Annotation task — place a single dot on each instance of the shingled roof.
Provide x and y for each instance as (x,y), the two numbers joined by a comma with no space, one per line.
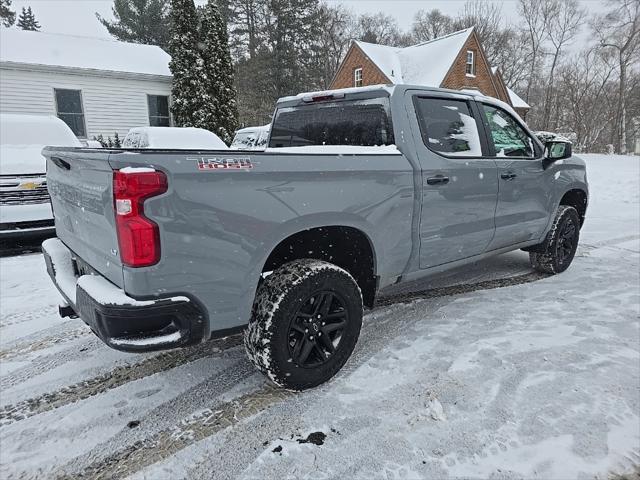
(426,63)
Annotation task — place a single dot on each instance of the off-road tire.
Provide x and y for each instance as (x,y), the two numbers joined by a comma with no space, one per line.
(548,257)
(278,300)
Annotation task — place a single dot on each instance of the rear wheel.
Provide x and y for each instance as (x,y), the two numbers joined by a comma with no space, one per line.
(557,252)
(306,322)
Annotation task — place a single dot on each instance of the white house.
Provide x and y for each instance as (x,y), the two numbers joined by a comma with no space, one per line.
(97,86)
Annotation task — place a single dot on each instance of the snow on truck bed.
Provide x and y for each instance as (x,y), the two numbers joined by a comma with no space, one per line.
(536,379)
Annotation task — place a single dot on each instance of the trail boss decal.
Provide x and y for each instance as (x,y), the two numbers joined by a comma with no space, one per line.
(221,163)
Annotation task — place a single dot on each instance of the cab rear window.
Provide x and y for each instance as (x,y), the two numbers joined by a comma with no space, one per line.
(346,122)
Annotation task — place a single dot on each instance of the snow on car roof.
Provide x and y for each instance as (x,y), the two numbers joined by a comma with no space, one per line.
(40,130)
(61,50)
(22,138)
(426,63)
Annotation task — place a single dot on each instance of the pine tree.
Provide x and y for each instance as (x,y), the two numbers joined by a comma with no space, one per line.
(7,15)
(220,111)
(140,21)
(27,20)
(186,65)
(290,36)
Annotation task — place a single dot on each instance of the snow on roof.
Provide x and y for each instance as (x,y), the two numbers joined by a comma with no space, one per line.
(516,101)
(426,63)
(61,50)
(385,57)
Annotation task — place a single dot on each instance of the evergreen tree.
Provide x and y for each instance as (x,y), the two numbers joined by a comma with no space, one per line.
(220,112)
(27,20)
(186,65)
(140,21)
(291,32)
(7,15)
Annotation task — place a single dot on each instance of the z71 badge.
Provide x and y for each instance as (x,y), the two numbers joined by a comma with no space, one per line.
(220,163)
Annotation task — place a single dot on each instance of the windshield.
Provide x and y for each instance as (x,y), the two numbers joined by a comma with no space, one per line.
(244,140)
(351,122)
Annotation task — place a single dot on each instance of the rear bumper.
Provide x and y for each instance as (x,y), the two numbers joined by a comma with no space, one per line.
(122,322)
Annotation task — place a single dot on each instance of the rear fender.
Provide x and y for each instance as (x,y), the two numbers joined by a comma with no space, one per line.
(287,229)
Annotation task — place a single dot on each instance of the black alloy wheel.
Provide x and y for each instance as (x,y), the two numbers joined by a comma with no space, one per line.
(567,242)
(316,330)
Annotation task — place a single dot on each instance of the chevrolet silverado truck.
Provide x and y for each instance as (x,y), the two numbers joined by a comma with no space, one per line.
(359,189)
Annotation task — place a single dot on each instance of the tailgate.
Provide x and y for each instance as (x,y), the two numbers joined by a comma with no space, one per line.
(80,183)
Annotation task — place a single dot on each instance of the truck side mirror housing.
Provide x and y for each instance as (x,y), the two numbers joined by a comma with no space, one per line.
(557,150)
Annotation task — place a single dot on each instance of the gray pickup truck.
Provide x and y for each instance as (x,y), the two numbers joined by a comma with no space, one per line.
(359,189)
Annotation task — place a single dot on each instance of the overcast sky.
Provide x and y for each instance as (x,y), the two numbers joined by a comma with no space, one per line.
(77,17)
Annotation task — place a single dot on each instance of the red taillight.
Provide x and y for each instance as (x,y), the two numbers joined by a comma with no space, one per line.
(138,237)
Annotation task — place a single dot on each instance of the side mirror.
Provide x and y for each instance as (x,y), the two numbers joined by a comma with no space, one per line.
(557,150)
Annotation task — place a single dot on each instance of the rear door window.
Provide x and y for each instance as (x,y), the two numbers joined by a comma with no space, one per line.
(347,122)
(447,127)
(509,138)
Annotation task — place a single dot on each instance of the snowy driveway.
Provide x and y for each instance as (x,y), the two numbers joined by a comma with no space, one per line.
(492,372)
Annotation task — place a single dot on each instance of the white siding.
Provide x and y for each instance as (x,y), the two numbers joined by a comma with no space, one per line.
(110,104)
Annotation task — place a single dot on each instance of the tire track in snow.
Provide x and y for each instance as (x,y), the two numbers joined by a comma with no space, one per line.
(112,379)
(124,374)
(587,247)
(460,289)
(117,456)
(169,441)
(171,359)
(48,362)
(33,345)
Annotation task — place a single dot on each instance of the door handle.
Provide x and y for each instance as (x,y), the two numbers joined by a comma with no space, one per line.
(61,163)
(438,180)
(508,176)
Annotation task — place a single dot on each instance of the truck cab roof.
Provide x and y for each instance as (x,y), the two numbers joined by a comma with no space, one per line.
(372,91)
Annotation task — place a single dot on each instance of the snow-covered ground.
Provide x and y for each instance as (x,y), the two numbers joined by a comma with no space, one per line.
(536,379)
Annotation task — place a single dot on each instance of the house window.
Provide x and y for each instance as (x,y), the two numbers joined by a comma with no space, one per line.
(471,65)
(158,110)
(357,77)
(69,110)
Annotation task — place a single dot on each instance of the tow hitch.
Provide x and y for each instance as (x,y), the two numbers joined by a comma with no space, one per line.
(66,311)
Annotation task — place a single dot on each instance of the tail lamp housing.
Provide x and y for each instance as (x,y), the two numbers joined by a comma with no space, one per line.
(138,237)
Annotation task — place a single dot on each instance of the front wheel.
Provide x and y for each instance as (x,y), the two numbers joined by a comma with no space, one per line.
(305,324)
(559,248)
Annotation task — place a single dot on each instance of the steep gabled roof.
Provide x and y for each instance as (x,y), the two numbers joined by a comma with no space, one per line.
(87,53)
(516,101)
(426,63)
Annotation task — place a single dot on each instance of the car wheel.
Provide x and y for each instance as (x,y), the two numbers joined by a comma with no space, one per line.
(560,246)
(305,323)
